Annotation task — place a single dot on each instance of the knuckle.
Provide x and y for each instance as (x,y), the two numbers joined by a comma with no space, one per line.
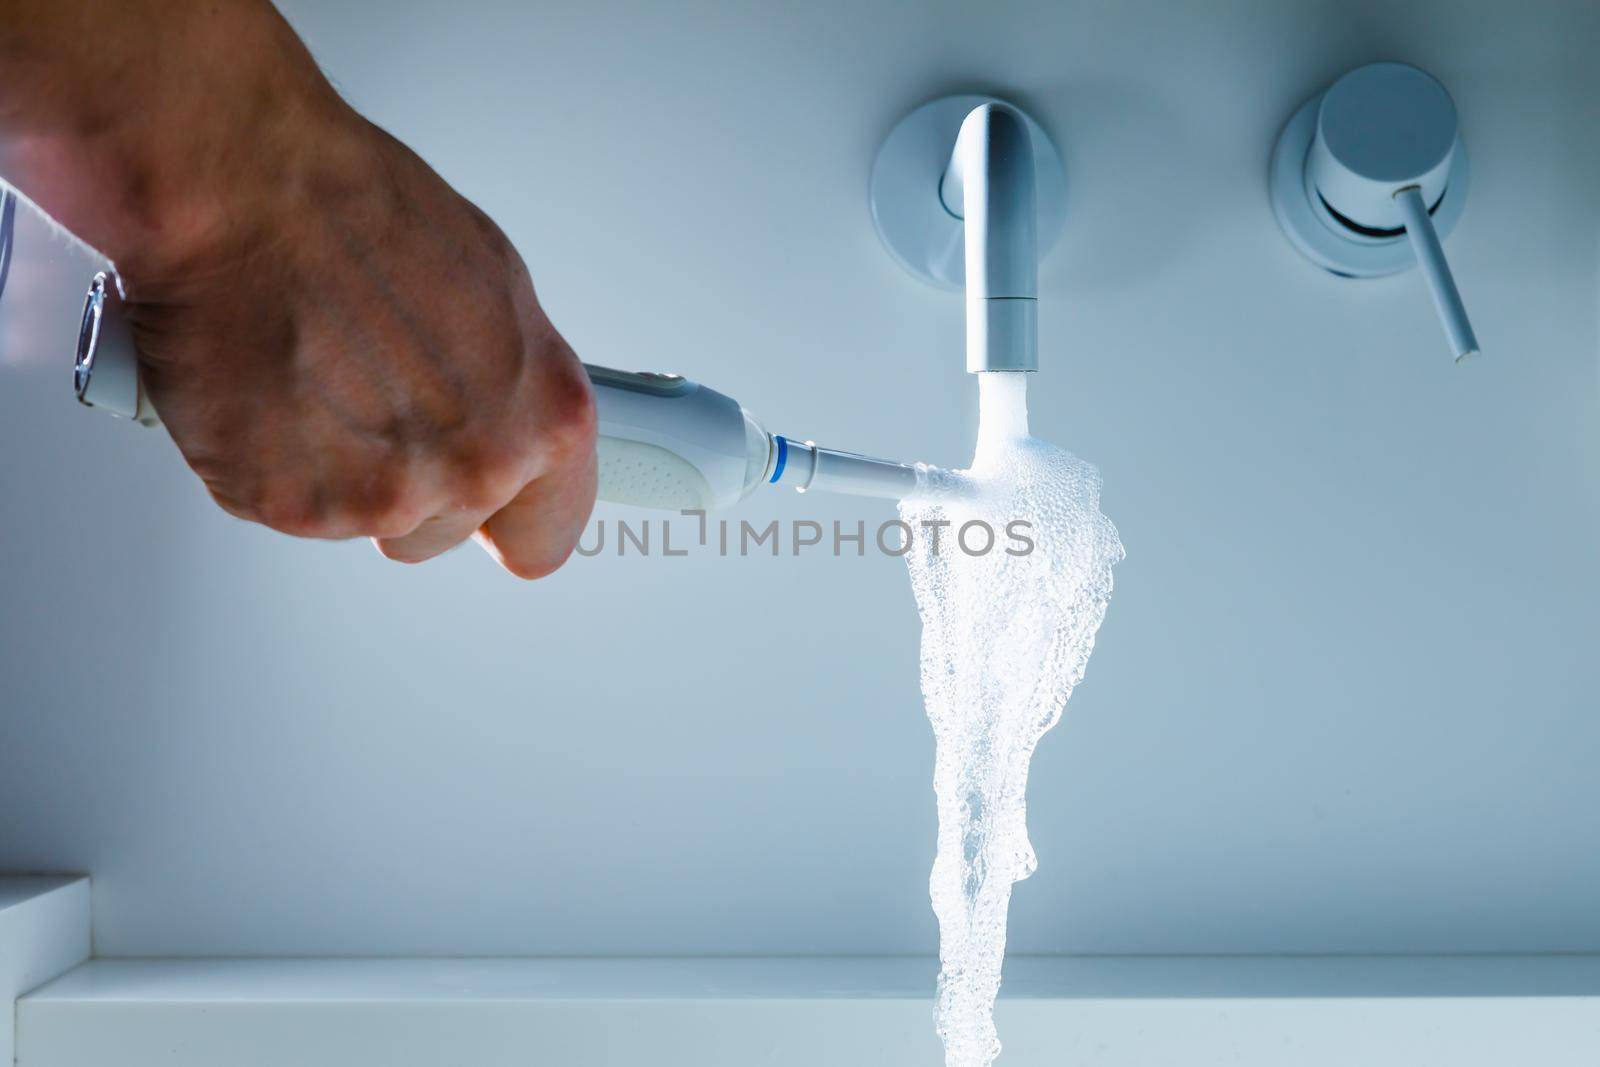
(484,481)
(386,505)
(289,509)
(393,522)
(272,494)
(568,430)
(488,470)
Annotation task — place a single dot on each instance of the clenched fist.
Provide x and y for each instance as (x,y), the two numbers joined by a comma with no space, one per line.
(339,343)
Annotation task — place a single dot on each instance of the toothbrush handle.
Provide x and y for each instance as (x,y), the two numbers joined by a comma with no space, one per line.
(1436,269)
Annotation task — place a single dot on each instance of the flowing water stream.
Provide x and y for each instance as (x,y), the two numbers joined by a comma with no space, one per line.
(1005,638)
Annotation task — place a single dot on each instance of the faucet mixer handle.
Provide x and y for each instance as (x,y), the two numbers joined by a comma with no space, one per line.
(1369,175)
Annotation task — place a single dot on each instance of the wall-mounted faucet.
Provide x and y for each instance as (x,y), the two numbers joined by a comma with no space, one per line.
(967,193)
(1369,175)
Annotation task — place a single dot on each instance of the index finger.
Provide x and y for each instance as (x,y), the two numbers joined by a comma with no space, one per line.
(536,532)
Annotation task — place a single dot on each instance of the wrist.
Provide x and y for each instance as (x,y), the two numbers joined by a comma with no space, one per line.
(173,137)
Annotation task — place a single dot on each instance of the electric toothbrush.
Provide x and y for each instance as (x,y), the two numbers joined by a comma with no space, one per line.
(664,441)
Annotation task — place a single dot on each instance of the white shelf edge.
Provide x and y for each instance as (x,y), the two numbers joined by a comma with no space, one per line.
(44,932)
(1109,1011)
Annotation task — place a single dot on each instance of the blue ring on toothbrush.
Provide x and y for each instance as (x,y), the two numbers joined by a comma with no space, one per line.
(783,457)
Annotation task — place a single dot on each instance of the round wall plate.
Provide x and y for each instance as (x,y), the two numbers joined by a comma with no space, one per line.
(912,220)
(1321,238)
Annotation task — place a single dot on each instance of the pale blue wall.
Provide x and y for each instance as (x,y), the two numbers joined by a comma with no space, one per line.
(1344,700)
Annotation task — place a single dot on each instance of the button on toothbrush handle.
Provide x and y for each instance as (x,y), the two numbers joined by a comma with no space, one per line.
(1436,269)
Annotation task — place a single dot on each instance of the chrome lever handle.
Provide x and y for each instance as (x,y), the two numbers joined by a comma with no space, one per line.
(1436,269)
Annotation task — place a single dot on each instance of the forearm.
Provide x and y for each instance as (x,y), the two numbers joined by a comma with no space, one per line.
(121,119)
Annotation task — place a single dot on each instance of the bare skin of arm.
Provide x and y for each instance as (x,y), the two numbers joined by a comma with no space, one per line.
(339,343)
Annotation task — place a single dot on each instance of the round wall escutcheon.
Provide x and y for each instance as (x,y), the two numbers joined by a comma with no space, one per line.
(907,210)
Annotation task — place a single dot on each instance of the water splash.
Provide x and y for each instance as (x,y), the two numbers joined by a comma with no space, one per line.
(1006,635)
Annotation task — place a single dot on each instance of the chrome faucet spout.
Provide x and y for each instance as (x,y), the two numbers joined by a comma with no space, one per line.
(991,178)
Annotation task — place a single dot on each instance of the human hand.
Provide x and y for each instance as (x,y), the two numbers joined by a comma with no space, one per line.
(339,343)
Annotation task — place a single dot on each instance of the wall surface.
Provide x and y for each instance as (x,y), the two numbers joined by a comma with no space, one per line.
(1345,696)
